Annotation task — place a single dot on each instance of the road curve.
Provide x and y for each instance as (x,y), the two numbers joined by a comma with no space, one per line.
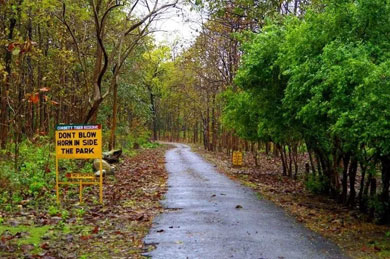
(210,216)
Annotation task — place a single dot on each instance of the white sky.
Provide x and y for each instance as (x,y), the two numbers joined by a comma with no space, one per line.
(177,26)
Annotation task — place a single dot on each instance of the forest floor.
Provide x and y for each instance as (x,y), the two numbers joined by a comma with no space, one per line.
(89,230)
(349,229)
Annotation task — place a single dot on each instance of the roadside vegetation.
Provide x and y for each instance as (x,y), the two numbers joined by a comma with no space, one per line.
(35,226)
(301,87)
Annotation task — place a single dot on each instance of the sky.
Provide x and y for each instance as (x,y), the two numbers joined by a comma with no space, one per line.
(178,25)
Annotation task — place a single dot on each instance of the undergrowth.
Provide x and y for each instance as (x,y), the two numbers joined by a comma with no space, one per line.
(29,177)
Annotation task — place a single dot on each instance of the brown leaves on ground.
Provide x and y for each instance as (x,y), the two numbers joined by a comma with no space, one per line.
(347,228)
(116,229)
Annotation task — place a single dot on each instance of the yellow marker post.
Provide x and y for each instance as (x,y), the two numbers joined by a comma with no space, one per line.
(57,180)
(81,191)
(101,181)
(237,158)
(79,142)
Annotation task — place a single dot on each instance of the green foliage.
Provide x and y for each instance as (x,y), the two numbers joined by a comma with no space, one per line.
(138,137)
(241,114)
(34,233)
(317,184)
(150,145)
(323,80)
(53,210)
(64,214)
(379,207)
(80,212)
(35,175)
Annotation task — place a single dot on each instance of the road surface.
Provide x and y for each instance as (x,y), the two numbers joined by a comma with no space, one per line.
(210,216)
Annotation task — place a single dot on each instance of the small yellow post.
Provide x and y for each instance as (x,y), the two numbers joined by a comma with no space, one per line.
(57,185)
(237,158)
(81,190)
(101,180)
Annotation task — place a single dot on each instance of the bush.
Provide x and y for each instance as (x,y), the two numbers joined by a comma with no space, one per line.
(317,184)
(35,174)
(150,145)
(380,209)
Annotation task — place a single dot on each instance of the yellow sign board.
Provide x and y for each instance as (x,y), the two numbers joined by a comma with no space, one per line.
(237,158)
(79,142)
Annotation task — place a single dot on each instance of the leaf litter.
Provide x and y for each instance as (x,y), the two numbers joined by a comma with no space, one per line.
(90,230)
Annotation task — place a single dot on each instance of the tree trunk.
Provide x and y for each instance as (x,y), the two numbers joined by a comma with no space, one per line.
(384,197)
(372,195)
(344,181)
(213,126)
(352,180)
(5,90)
(284,160)
(295,160)
(289,161)
(154,113)
(313,169)
(114,116)
(363,169)
(267,147)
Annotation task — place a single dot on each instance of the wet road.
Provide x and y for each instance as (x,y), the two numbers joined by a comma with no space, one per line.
(210,216)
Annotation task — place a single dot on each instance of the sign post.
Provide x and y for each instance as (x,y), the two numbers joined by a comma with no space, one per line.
(79,142)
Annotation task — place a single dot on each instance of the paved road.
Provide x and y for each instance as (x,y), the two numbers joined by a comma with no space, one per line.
(202,219)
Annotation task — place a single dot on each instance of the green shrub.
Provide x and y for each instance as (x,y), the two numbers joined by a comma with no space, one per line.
(64,214)
(34,174)
(53,210)
(317,184)
(150,145)
(379,207)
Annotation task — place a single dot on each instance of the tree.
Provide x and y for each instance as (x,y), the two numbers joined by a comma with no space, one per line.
(155,68)
(307,77)
(119,53)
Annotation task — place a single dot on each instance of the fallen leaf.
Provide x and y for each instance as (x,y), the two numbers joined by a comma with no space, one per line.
(34,98)
(11,46)
(45,246)
(95,230)
(85,237)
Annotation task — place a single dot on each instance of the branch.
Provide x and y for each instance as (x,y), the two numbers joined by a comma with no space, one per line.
(63,20)
(155,10)
(105,15)
(132,9)
(121,62)
(101,45)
